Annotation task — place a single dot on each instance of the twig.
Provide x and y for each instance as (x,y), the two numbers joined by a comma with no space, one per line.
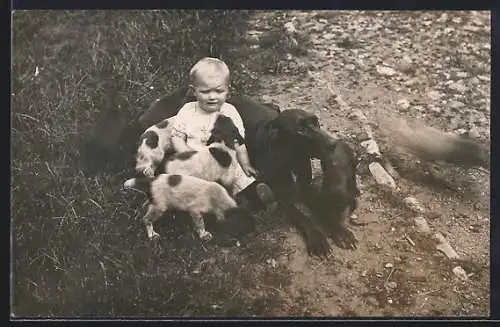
(390,274)
(407,237)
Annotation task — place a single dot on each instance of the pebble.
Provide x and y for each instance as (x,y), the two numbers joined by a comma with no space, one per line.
(422,225)
(443,18)
(474,229)
(386,71)
(389,265)
(290,28)
(474,133)
(471,28)
(392,285)
(413,204)
(350,67)
(456,104)
(403,104)
(483,78)
(460,273)
(434,95)
(458,86)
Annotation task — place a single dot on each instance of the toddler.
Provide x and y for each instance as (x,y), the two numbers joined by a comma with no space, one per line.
(209,81)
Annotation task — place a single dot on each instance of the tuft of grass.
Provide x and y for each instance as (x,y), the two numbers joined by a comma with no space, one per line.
(79,247)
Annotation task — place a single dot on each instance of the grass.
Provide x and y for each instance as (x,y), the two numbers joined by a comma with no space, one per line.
(79,249)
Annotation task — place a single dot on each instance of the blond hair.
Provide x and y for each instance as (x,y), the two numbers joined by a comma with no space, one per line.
(208,62)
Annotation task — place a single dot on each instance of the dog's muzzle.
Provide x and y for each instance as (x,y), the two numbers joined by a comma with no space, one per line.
(320,141)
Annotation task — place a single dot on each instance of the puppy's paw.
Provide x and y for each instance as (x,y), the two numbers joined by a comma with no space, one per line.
(205,235)
(149,172)
(344,238)
(154,236)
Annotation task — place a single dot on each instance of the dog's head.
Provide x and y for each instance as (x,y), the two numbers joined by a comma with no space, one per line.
(339,178)
(224,131)
(300,128)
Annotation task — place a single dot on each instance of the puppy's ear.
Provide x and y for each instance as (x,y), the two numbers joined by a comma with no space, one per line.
(237,136)
(211,139)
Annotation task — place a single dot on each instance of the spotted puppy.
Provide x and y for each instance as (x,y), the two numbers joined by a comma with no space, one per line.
(214,163)
(154,144)
(191,194)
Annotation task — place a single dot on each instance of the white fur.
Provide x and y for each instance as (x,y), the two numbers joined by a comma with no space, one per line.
(203,165)
(192,194)
(148,159)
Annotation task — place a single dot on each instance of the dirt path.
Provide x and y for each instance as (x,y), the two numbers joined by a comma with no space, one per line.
(387,275)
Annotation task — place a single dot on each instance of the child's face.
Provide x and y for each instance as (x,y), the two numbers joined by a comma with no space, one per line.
(210,90)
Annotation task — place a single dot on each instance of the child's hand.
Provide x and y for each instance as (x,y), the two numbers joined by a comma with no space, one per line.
(249,170)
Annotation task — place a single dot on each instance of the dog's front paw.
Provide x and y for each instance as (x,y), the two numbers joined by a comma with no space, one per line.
(344,238)
(205,235)
(317,244)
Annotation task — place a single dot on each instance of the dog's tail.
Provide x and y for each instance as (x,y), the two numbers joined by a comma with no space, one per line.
(430,143)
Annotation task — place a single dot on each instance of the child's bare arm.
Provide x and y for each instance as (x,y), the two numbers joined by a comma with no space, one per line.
(244,160)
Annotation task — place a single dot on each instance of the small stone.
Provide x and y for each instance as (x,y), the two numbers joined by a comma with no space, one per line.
(403,104)
(434,109)
(381,176)
(350,67)
(458,86)
(471,28)
(411,81)
(462,74)
(364,273)
(389,265)
(422,225)
(457,20)
(392,285)
(483,78)
(461,131)
(474,133)
(389,301)
(386,71)
(443,18)
(290,28)
(460,273)
(474,229)
(434,95)
(456,104)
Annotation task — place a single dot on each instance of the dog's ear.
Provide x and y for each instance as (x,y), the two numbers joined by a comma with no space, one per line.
(272,131)
(314,120)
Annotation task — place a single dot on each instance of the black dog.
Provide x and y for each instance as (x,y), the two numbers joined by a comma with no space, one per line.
(280,146)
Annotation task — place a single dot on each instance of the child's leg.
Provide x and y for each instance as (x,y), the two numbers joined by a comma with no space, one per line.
(251,193)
